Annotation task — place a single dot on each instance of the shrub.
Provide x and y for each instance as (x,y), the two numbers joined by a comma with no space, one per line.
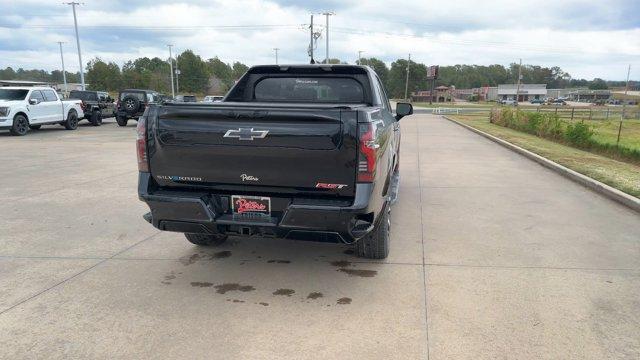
(579,135)
(550,126)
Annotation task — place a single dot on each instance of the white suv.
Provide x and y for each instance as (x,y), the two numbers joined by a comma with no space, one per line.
(24,108)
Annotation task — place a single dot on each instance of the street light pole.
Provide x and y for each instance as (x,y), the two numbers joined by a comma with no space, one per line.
(406,84)
(64,73)
(327,14)
(360,57)
(75,23)
(276,50)
(173,91)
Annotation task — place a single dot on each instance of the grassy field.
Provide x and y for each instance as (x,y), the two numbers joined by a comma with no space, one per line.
(620,175)
(606,131)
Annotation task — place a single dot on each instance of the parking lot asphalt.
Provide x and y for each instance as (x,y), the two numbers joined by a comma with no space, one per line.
(492,256)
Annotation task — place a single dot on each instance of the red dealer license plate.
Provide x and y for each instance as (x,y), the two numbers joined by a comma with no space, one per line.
(251,205)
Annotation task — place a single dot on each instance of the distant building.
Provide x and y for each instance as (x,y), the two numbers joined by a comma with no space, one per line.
(589,95)
(22,83)
(525,93)
(440,94)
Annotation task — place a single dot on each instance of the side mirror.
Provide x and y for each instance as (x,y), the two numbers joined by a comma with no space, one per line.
(33,101)
(403,109)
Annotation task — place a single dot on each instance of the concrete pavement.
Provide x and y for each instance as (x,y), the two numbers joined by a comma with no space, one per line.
(492,256)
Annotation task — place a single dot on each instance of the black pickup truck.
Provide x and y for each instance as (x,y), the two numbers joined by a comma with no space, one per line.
(303,151)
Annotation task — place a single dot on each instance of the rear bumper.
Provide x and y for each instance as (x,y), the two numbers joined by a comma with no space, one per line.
(125,114)
(330,220)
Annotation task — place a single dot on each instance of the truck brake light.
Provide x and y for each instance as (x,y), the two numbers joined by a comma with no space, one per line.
(367,154)
(141,144)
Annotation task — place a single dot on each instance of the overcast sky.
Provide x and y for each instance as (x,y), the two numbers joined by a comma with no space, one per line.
(586,38)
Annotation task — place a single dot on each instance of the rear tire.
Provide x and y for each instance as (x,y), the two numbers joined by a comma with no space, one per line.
(96,118)
(206,239)
(72,121)
(20,125)
(375,245)
(122,121)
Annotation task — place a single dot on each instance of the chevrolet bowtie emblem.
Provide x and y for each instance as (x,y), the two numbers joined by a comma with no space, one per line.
(246,134)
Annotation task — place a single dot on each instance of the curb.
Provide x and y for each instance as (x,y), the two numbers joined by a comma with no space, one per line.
(595,185)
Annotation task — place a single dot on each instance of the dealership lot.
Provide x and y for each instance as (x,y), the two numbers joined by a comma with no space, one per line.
(492,256)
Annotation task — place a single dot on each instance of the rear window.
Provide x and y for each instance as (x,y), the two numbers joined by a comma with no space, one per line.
(49,95)
(309,89)
(83,95)
(13,94)
(137,95)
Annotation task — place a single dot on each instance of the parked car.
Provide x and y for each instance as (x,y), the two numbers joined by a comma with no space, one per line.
(509,102)
(24,108)
(558,102)
(537,101)
(185,98)
(213,98)
(303,151)
(96,105)
(132,103)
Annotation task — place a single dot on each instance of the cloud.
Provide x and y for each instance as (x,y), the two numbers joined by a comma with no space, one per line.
(586,39)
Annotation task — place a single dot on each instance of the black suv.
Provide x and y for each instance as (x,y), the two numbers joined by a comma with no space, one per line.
(133,102)
(96,105)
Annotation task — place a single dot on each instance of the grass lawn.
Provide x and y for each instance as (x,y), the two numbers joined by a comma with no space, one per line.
(620,175)
(607,132)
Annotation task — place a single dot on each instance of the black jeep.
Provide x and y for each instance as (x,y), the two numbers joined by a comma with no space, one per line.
(96,105)
(132,103)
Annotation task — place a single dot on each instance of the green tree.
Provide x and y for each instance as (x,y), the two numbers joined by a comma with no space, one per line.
(193,72)
(397,78)
(103,76)
(238,69)
(222,71)
(598,84)
(378,66)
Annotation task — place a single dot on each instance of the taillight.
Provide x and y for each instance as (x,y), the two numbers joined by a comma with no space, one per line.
(367,155)
(141,144)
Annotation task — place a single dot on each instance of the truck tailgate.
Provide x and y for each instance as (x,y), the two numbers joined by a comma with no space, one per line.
(308,149)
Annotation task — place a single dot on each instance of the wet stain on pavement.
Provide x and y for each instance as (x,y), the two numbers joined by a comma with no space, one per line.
(314,295)
(359,273)
(201,284)
(344,301)
(224,288)
(188,260)
(341,263)
(264,304)
(221,254)
(279,262)
(236,300)
(284,292)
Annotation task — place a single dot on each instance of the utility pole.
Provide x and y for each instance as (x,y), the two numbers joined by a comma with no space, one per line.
(177,76)
(173,92)
(276,50)
(406,84)
(311,41)
(624,104)
(519,77)
(327,14)
(64,74)
(75,23)
(360,57)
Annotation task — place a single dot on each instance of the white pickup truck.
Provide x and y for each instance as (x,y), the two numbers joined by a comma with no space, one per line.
(24,108)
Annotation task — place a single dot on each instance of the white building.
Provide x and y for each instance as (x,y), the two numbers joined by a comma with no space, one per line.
(527,91)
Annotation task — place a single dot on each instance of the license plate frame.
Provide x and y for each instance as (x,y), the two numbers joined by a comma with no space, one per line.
(252,206)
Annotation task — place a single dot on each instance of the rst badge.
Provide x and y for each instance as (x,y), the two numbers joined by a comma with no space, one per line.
(330,186)
(246,134)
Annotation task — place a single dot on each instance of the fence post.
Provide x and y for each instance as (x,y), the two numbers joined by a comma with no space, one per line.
(572,110)
(607,113)
(556,110)
(590,112)
(619,131)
